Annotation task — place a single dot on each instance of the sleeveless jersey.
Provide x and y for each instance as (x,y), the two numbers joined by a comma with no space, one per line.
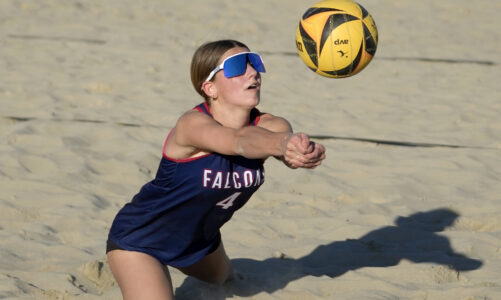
(177,216)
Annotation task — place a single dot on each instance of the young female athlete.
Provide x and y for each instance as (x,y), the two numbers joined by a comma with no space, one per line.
(212,163)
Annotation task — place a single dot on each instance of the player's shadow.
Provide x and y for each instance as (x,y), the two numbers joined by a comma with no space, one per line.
(413,238)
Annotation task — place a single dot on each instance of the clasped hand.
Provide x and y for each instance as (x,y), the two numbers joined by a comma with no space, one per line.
(301,152)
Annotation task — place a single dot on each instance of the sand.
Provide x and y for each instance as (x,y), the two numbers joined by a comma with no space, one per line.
(406,206)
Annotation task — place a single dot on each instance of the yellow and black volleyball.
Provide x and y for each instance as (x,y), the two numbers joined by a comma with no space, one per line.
(336,38)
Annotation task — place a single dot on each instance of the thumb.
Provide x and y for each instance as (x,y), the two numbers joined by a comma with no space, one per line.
(304,143)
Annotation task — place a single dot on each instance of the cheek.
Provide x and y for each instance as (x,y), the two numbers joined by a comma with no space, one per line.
(232,85)
(225,89)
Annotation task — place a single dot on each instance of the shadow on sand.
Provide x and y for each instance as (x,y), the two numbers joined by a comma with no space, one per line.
(413,238)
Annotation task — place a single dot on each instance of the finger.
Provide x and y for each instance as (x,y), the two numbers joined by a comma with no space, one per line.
(319,150)
(310,163)
(310,160)
(296,145)
(300,142)
(311,147)
(316,155)
(303,162)
(305,142)
(306,165)
(292,158)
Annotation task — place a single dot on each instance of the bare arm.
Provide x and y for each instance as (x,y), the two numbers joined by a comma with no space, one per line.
(197,131)
(300,152)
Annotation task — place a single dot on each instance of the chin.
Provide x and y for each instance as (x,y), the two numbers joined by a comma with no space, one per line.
(257,98)
(251,100)
(256,101)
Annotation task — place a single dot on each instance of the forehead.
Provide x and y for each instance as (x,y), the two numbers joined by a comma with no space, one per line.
(231,52)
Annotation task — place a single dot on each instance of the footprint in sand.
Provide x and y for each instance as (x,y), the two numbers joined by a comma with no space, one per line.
(444,274)
(98,273)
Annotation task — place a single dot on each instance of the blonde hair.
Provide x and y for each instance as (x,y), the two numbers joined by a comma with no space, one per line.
(206,58)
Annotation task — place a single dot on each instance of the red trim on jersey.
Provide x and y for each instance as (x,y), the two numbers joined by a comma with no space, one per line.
(201,110)
(182,159)
(165,143)
(207,108)
(258,117)
(256,121)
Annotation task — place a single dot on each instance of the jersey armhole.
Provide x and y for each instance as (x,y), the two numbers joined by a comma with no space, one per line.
(255,116)
(256,121)
(182,159)
(165,143)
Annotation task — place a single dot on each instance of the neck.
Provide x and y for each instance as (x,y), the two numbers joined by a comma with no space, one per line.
(230,116)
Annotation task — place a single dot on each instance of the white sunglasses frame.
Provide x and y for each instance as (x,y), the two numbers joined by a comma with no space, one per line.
(221,65)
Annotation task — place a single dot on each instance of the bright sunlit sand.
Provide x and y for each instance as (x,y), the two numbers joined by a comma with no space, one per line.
(407,204)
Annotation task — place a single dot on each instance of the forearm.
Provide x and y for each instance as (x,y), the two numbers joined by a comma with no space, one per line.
(257,142)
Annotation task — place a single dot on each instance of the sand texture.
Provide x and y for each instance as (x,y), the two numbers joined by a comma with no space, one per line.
(407,204)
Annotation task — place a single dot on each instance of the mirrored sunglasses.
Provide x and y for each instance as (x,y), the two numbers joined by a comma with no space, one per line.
(236,65)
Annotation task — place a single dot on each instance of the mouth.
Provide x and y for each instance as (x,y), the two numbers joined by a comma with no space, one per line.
(254,86)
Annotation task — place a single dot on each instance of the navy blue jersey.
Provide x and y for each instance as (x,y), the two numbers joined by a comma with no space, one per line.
(177,216)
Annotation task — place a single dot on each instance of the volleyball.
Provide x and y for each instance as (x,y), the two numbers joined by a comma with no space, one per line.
(336,38)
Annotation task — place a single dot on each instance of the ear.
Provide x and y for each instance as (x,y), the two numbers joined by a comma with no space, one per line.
(210,89)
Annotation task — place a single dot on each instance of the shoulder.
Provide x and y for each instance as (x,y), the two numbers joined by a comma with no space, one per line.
(190,124)
(193,117)
(274,123)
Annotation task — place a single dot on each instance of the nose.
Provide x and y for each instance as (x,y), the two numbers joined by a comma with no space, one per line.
(250,71)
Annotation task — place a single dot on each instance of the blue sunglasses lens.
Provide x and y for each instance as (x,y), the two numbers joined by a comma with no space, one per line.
(236,65)
(256,62)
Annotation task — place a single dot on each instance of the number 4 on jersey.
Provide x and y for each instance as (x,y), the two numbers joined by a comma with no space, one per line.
(228,202)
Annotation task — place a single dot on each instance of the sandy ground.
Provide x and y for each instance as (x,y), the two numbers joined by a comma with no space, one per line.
(406,206)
